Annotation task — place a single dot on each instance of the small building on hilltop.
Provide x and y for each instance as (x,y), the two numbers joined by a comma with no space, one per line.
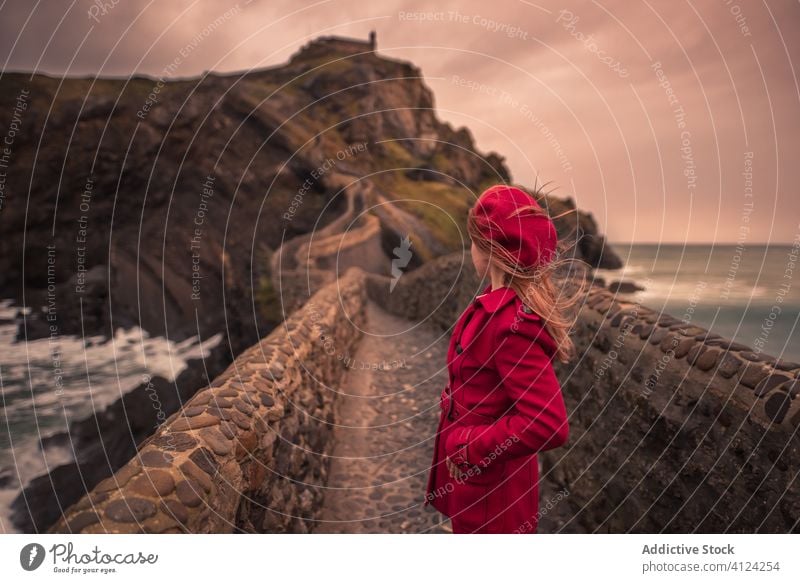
(326,45)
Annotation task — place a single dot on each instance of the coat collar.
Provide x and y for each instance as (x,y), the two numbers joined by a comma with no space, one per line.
(492,300)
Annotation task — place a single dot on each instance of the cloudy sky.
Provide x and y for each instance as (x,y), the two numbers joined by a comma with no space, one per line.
(659,117)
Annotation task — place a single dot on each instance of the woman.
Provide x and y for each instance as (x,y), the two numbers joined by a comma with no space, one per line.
(503,402)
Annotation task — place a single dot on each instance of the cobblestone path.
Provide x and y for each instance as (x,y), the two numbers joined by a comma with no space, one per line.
(387,418)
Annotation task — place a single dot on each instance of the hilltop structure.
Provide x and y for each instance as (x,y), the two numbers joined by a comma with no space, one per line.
(325,46)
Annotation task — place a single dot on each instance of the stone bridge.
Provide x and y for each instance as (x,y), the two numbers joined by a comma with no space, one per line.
(327,424)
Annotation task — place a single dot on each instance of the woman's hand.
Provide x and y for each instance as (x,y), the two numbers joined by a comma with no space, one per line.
(455,471)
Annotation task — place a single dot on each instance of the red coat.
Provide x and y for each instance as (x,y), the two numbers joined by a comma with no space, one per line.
(503,404)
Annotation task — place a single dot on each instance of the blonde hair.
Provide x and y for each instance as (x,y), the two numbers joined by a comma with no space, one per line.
(546,289)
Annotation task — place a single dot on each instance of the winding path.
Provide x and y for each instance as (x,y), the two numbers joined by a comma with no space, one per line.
(387,409)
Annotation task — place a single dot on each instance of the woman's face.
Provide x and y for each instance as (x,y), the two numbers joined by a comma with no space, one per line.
(479,260)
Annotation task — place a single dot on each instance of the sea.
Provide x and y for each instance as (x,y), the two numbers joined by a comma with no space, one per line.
(46,385)
(747,293)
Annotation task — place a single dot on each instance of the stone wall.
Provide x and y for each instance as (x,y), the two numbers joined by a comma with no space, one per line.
(248,453)
(308,262)
(359,246)
(438,291)
(672,428)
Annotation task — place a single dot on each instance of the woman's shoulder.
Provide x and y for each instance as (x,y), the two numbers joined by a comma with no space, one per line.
(506,307)
(519,317)
(518,322)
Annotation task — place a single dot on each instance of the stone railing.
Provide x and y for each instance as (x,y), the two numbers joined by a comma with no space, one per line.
(310,261)
(438,291)
(672,428)
(360,246)
(249,452)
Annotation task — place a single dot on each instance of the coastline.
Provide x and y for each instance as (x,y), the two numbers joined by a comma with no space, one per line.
(73,438)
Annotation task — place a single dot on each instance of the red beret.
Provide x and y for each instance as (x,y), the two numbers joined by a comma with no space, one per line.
(530,238)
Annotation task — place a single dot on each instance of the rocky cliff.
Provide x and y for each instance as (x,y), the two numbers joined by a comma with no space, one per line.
(175,191)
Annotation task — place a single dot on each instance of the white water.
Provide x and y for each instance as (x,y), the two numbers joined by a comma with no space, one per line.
(46,385)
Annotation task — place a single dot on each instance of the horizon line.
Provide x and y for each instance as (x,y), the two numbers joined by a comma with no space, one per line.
(706,243)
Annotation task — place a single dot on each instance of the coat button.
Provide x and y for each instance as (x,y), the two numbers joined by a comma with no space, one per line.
(526,309)
(459,350)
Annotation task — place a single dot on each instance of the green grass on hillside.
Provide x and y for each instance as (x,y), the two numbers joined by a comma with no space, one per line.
(444,209)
